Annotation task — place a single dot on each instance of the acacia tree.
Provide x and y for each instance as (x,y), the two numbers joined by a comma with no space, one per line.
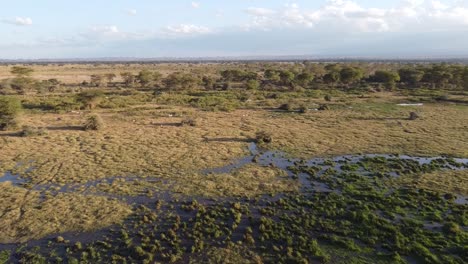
(90,99)
(410,76)
(146,77)
(287,77)
(128,78)
(332,78)
(386,77)
(304,79)
(22,80)
(465,79)
(21,71)
(350,75)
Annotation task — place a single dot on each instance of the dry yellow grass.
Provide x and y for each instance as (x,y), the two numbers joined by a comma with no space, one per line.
(442,181)
(248,181)
(147,143)
(25,215)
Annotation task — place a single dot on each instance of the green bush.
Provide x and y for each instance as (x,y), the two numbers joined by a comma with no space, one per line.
(9,110)
(94,122)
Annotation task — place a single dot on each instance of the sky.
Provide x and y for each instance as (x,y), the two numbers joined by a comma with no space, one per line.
(33,29)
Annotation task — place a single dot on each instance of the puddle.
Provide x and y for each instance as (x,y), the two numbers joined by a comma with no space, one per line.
(410,104)
(14,179)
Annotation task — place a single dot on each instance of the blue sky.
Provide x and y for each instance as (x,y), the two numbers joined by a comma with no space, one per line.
(149,28)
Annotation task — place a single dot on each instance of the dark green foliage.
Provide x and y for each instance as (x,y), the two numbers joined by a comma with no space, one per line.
(4,256)
(10,108)
(328,98)
(181,80)
(410,75)
(350,75)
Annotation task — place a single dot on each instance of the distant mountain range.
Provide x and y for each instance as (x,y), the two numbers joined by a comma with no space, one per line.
(297,58)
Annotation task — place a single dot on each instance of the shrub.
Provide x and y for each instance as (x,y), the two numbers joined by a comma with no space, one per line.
(413,116)
(9,111)
(94,122)
(451,228)
(286,107)
(303,109)
(328,98)
(188,121)
(30,131)
(90,99)
(323,107)
(262,137)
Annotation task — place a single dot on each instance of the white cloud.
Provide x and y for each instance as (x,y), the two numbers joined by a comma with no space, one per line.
(186,29)
(131,12)
(258,11)
(195,4)
(347,15)
(19,21)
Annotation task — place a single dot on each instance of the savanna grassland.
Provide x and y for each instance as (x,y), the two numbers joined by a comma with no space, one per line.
(233,163)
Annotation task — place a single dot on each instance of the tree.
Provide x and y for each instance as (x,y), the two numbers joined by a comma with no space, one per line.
(332,77)
(90,99)
(386,77)
(304,79)
(145,77)
(410,76)
(208,82)
(350,75)
(97,80)
(128,78)
(22,81)
(252,84)
(9,110)
(465,79)
(272,75)
(21,71)
(438,76)
(287,77)
(109,77)
(179,81)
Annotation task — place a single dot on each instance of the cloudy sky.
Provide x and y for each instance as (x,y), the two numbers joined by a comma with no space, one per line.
(178,28)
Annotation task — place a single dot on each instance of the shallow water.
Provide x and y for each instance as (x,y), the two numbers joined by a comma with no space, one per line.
(282,161)
(14,179)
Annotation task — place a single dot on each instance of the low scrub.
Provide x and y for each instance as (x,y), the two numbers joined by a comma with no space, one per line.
(94,122)
(263,137)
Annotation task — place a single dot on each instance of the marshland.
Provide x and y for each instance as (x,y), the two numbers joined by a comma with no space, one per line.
(234,162)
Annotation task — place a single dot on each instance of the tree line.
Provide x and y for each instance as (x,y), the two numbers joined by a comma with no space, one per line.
(294,77)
